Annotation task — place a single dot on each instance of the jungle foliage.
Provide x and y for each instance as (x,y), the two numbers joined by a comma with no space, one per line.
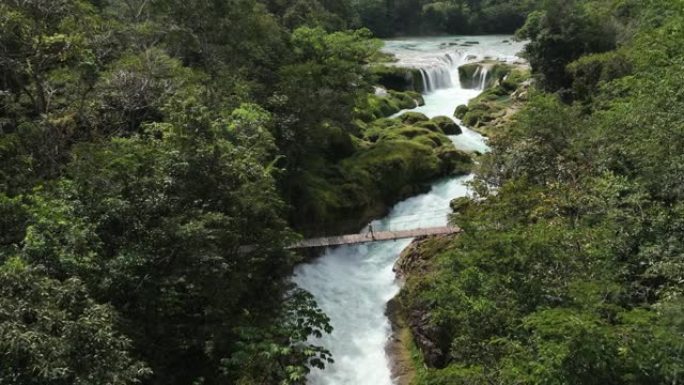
(154,156)
(570,268)
(157,157)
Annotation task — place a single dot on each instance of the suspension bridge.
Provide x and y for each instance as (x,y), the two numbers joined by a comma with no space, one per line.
(392,231)
(373,236)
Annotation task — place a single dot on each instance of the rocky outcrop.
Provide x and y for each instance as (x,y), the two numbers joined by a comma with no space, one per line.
(415,263)
(417,257)
(483,75)
(447,125)
(413,117)
(428,338)
(460,204)
(402,366)
(398,78)
(492,110)
(461,111)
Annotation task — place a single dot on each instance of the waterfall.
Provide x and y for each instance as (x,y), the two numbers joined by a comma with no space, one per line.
(483,78)
(480,78)
(438,75)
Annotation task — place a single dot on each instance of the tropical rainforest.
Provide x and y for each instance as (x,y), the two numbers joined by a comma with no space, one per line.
(570,269)
(157,157)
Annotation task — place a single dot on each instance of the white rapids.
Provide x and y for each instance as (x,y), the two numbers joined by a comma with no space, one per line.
(353,284)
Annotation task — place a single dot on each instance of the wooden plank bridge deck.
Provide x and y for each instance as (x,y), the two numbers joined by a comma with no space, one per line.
(352,239)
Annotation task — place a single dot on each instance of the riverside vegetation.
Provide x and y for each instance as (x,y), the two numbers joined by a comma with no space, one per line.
(142,142)
(570,268)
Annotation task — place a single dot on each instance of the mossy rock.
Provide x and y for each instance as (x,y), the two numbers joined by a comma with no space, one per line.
(478,116)
(430,125)
(498,73)
(387,107)
(515,79)
(433,139)
(460,204)
(391,165)
(469,74)
(377,107)
(397,78)
(412,117)
(466,74)
(461,111)
(455,161)
(447,125)
(407,99)
(411,132)
(386,122)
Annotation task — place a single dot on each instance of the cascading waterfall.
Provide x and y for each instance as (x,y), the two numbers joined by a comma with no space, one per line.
(437,75)
(352,284)
(483,78)
(480,78)
(436,78)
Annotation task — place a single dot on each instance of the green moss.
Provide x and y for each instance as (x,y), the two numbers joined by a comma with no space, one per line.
(454,161)
(515,79)
(460,204)
(447,125)
(376,107)
(407,99)
(392,158)
(413,117)
(430,125)
(492,107)
(496,73)
(466,73)
(397,78)
(461,111)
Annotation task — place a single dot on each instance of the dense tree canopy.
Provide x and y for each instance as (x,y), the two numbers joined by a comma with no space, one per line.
(570,267)
(157,157)
(405,17)
(154,155)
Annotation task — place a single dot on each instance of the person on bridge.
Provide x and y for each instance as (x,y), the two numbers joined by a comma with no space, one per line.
(370,229)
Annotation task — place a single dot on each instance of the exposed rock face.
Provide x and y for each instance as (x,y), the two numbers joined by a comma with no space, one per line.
(398,78)
(427,338)
(402,365)
(414,262)
(467,74)
(410,260)
(380,91)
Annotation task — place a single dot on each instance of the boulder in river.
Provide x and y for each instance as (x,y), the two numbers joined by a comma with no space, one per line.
(447,125)
(413,117)
(461,111)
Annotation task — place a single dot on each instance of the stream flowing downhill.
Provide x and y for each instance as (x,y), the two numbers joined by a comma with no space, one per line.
(353,284)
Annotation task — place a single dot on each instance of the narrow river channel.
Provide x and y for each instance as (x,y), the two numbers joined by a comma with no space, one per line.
(353,284)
